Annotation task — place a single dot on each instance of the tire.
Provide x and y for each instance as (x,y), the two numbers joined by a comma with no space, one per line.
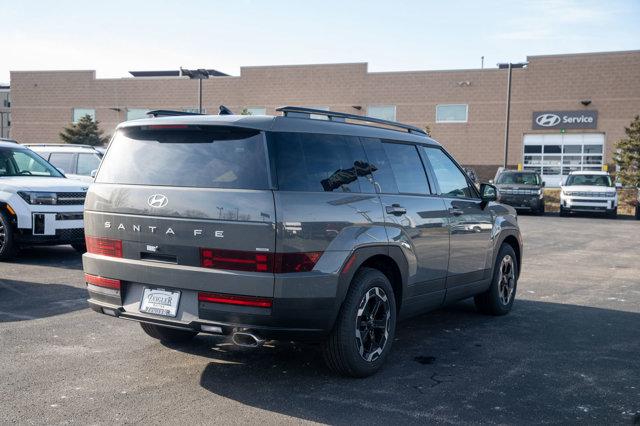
(79,247)
(499,298)
(613,214)
(540,210)
(638,211)
(7,239)
(563,212)
(350,350)
(167,334)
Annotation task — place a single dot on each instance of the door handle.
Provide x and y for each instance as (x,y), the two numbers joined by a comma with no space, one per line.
(455,211)
(396,210)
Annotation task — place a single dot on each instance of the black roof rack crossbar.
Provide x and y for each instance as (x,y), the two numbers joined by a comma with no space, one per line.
(170,113)
(294,111)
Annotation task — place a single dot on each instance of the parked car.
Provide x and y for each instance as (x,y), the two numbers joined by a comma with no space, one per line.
(290,227)
(75,161)
(38,205)
(589,191)
(523,190)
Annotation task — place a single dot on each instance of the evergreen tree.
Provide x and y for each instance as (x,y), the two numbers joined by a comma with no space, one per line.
(628,157)
(84,132)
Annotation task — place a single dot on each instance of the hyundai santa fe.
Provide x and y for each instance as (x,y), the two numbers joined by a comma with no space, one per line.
(291,227)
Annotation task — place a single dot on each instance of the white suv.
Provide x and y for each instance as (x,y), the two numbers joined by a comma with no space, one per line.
(589,192)
(75,161)
(38,205)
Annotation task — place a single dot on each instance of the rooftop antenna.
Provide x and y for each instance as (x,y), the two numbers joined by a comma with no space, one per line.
(482,62)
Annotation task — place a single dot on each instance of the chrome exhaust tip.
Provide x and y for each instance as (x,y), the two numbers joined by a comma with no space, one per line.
(246,339)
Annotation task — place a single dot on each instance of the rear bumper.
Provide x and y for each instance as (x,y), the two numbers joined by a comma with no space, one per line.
(304,305)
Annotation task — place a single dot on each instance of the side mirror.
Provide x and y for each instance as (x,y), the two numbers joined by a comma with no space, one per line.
(488,192)
(491,181)
(618,185)
(543,184)
(94,173)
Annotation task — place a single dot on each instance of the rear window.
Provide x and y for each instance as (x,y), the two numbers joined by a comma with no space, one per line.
(194,156)
(320,163)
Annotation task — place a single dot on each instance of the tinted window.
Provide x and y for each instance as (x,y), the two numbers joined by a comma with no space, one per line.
(22,162)
(533,149)
(382,172)
(62,160)
(87,163)
(451,180)
(407,168)
(198,156)
(312,162)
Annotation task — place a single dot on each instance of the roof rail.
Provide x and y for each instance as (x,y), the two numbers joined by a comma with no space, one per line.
(170,113)
(72,145)
(302,112)
(8,140)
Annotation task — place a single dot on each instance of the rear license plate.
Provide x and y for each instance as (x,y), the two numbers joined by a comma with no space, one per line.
(157,301)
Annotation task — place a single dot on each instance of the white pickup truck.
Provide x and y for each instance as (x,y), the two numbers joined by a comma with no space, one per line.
(38,204)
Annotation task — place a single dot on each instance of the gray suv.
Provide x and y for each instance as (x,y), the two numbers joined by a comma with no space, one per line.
(291,227)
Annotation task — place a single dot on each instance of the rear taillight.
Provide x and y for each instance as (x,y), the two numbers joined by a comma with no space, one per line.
(104,246)
(250,261)
(297,262)
(102,281)
(230,299)
(236,260)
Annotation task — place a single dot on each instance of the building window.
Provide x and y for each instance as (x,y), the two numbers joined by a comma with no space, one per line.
(452,113)
(256,111)
(136,113)
(78,113)
(383,112)
(195,110)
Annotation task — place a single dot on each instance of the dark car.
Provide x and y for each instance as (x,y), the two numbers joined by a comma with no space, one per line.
(293,228)
(522,190)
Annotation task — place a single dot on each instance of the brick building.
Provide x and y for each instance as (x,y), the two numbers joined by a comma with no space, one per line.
(567,111)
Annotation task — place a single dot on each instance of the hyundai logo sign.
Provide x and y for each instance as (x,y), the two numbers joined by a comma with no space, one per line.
(157,200)
(565,120)
(547,120)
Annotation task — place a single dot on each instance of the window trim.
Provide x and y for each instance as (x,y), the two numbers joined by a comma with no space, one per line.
(466,114)
(439,193)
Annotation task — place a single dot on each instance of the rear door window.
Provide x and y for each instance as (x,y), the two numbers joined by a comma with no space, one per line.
(385,182)
(407,168)
(319,163)
(187,156)
(62,160)
(451,179)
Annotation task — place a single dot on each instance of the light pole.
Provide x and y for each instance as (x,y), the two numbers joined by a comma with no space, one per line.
(509,66)
(199,74)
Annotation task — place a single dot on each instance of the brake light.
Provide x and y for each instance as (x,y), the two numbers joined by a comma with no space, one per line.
(229,299)
(104,246)
(236,260)
(250,261)
(167,126)
(102,281)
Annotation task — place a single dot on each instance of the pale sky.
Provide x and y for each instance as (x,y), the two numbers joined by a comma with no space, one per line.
(113,37)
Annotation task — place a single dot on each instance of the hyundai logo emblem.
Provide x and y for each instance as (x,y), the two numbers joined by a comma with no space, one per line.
(547,120)
(157,200)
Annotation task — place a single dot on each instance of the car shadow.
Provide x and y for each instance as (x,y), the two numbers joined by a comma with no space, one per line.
(23,300)
(543,362)
(57,256)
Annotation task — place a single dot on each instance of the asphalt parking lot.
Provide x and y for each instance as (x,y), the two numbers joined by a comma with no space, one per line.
(568,353)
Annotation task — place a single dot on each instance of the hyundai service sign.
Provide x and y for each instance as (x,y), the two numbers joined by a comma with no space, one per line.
(565,120)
